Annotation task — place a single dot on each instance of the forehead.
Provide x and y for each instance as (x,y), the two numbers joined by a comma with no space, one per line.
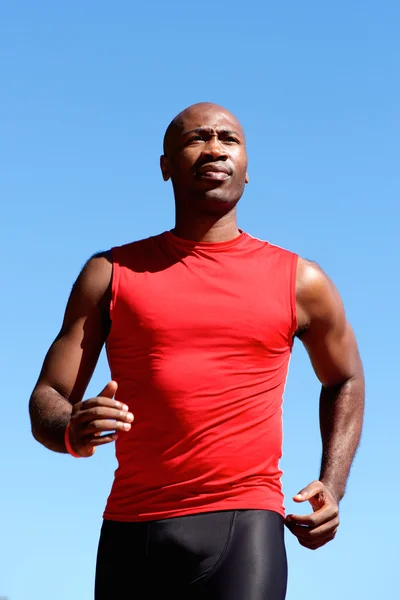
(210,117)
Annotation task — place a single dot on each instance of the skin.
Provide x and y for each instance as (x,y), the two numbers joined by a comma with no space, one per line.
(205,158)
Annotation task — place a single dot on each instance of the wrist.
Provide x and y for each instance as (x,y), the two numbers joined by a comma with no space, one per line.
(336,491)
(68,444)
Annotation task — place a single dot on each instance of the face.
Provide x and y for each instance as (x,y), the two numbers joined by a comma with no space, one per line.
(205,158)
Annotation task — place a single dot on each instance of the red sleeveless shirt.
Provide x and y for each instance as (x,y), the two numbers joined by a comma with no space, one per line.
(200,343)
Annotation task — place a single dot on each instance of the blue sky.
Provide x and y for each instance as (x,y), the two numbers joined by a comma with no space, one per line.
(87,91)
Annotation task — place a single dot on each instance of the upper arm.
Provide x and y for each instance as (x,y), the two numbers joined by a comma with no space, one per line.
(323,327)
(71,359)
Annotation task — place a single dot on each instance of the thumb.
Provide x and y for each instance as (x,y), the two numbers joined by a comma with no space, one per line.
(308,492)
(110,390)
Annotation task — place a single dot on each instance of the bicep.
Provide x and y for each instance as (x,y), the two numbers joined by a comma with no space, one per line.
(328,337)
(72,357)
(334,355)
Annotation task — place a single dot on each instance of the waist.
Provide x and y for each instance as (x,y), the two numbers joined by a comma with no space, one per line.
(158,506)
(157,480)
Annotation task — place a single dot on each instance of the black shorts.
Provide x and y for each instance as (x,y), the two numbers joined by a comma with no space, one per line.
(227,555)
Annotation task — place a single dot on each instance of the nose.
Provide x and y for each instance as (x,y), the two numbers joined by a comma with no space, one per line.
(214,149)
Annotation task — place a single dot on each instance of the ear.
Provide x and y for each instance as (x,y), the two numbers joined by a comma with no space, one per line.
(165,168)
(246,178)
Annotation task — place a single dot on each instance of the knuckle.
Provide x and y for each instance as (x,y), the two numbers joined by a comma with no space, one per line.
(74,431)
(77,416)
(75,412)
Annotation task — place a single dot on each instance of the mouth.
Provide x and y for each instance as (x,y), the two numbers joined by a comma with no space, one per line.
(214,175)
(213,172)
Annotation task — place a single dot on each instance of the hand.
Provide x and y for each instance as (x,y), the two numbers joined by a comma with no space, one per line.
(96,416)
(315,530)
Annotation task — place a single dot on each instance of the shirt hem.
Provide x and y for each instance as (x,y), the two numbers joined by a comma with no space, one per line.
(169,514)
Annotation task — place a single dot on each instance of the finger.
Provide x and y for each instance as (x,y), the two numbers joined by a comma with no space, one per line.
(323,532)
(102,425)
(103,401)
(104,412)
(314,535)
(89,443)
(311,490)
(110,390)
(103,439)
(323,515)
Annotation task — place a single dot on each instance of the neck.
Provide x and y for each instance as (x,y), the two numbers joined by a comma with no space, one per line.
(206,228)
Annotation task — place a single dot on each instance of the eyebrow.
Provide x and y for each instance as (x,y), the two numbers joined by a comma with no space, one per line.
(211,129)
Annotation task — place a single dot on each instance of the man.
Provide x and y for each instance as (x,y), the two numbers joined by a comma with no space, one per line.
(199,324)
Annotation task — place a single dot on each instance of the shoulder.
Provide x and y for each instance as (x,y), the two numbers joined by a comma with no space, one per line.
(94,279)
(135,247)
(311,280)
(98,267)
(269,246)
(317,297)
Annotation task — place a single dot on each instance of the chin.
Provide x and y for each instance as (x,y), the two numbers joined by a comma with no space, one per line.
(218,202)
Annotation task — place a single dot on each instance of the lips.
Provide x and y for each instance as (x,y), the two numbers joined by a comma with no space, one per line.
(218,172)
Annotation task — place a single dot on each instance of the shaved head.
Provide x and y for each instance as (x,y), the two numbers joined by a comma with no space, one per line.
(178,123)
(205,158)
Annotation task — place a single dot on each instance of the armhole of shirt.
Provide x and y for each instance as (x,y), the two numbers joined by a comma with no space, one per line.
(114,282)
(293,303)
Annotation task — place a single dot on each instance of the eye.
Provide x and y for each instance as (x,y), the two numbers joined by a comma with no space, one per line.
(231,139)
(194,138)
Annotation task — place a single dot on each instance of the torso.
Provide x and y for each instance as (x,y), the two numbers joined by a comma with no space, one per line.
(200,341)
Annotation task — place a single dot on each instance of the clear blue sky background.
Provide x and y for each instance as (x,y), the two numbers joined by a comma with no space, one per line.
(87,89)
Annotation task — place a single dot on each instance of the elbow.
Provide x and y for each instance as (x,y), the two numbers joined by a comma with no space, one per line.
(35,433)
(354,379)
(34,416)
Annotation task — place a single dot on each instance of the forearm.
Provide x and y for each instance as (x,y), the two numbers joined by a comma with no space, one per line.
(341,417)
(50,413)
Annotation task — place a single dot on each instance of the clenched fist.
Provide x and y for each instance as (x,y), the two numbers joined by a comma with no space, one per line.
(97,421)
(316,529)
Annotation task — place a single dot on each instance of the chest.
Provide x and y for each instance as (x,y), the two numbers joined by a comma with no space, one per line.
(204,302)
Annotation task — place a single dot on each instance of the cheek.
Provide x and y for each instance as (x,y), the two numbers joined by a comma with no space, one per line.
(184,165)
(241,169)
(190,157)
(240,161)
